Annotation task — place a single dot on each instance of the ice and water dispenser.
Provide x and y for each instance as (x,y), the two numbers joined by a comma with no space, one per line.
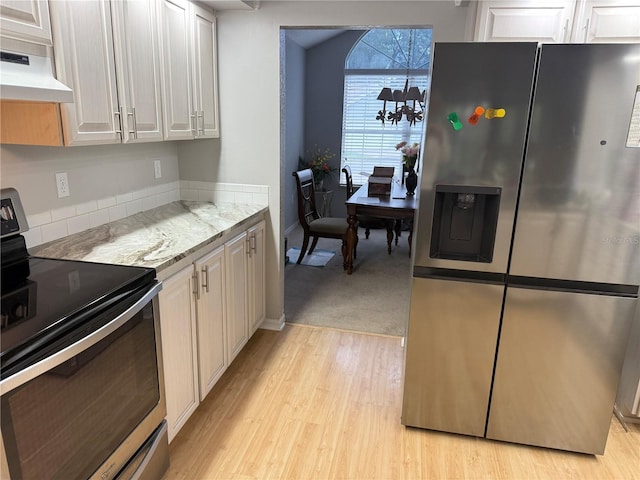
(465,220)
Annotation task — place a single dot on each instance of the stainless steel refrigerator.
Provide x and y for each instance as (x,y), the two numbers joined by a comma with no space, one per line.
(527,242)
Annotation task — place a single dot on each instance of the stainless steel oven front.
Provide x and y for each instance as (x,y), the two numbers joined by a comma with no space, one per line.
(92,405)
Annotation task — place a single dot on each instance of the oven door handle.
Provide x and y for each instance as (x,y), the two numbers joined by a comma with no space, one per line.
(57,358)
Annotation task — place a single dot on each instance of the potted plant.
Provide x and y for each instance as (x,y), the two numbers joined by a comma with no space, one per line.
(318,162)
(409,158)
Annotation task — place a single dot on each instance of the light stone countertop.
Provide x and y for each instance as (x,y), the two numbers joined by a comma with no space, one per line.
(156,238)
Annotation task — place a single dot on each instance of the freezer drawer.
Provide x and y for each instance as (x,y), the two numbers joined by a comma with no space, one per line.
(451,344)
(558,367)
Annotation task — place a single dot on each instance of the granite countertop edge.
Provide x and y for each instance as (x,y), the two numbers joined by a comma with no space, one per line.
(156,238)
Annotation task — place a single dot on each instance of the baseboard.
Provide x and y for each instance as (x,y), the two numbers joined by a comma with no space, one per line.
(291,228)
(273,324)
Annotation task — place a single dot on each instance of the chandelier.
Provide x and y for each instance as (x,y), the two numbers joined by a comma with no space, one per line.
(409,103)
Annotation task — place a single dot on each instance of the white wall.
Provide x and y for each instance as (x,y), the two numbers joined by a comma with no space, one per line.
(250,95)
(106,183)
(199,160)
(94,172)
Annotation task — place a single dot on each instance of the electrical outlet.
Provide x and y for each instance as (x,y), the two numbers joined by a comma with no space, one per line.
(62,182)
(157,168)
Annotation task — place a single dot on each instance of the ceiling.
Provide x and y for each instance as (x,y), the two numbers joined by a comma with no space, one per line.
(310,37)
(305,37)
(231,4)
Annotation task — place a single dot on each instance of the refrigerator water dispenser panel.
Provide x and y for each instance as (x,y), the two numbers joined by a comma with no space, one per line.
(465,220)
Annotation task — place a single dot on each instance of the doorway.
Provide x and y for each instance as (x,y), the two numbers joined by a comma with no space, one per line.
(376,297)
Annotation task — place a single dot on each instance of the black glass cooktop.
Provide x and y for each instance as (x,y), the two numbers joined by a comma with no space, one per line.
(57,291)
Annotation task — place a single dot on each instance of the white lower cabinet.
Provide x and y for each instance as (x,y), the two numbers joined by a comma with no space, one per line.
(208,312)
(179,347)
(212,358)
(256,277)
(235,252)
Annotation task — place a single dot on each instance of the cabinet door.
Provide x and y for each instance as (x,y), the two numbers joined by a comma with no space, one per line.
(205,77)
(179,344)
(256,277)
(211,320)
(179,116)
(236,274)
(608,21)
(85,61)
(524,20)
(138,69)
(26,20)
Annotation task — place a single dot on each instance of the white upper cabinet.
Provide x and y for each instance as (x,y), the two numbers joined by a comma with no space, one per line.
(137,52)
(205,78)
(84,58)
(558,21)
(610,21)
(524,20)
(26,20)
(189,75)
(107,53)
(176,70)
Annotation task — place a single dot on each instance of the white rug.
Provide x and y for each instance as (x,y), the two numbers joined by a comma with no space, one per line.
(319,257)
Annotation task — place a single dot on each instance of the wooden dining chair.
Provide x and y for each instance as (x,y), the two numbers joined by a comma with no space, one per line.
(365,221)
(312,223)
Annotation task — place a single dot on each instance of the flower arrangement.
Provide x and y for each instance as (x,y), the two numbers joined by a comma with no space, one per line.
(318,163)
(409,153)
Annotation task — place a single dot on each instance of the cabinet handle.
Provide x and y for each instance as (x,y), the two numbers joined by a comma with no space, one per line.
(566,30)
(252,242)
(118,114)
(200,115)
(194,118)
(205,274)
(196,284)
(134,121)
(586,31)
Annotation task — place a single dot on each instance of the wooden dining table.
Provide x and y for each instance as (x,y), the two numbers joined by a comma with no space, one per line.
(394,207)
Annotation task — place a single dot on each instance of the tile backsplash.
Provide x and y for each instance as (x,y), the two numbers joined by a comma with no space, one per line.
(54,224)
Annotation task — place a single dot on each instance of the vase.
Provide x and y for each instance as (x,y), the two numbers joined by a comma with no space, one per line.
(411,182)
(319,185)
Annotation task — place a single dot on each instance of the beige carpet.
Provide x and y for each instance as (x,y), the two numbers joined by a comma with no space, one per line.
(375,298)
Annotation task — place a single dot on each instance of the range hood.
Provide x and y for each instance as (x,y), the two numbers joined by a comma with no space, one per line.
(30,77)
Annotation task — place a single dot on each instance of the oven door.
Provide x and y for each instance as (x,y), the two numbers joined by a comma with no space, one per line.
(85,410)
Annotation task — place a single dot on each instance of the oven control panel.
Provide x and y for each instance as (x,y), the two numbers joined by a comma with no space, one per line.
(12,217)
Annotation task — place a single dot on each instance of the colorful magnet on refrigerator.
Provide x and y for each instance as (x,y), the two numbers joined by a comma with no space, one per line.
(477,113)
(455,121)
(494,113)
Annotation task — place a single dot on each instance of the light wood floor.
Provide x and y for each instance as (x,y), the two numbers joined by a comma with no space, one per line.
(316,403)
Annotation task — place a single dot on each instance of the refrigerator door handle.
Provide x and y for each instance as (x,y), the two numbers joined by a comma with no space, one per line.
(459,275)
(573,286)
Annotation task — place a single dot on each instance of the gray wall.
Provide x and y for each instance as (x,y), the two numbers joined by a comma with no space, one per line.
(293,123)
(324,97)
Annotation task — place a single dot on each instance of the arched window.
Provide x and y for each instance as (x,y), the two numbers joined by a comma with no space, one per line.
(382,57)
